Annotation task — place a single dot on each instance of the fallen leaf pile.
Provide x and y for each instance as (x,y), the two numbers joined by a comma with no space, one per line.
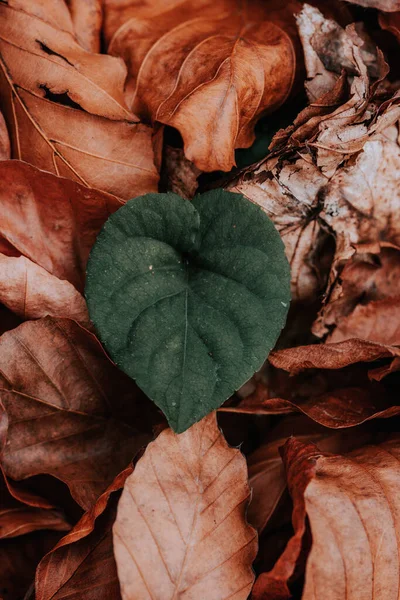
(291,489)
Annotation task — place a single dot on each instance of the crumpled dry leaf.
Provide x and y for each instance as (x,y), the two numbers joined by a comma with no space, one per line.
(87,18)
(83,560)
(31,292)
(371,274)
(65,107)
(354,554)
(221,67)
(71,413)
(180,529)
(343,181)
(51,221)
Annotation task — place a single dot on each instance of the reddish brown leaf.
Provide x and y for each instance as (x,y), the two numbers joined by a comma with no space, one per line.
(65,107)
(221,67)
(181,529)
(5,150)
(336,409)
(330,356)
(391,22)
(266,471)
(82,563)
(18,560)
(50,220)
(354,554)
(71,413)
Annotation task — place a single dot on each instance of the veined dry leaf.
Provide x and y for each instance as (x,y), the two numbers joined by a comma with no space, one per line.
(71,413)
(222,65)
(352,505)
(65,107)
(181,530)
(87,18)
(31,292)
(83,561)
(51,221)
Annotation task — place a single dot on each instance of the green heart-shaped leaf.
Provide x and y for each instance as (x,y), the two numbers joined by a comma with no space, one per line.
(188,297)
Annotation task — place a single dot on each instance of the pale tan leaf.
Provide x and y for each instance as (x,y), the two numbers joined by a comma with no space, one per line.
(181,530)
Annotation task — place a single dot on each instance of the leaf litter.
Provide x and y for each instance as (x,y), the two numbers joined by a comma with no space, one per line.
(103,101)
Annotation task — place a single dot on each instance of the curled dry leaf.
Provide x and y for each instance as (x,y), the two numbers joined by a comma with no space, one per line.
(391,22)
(51,221)
(71,413)
(330,356)
(266,471)
(181,530)
(338,408)
(352,505)
(83,561)
(65,107)
(179,174)
(221,65)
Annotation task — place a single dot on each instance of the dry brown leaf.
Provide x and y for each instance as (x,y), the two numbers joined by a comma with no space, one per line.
(179,174)
(371,274)
(5,149)
(222,65)
(87,18)
(391,22)
(65,107)
(377,321)
(266,471)
(330,356)
(83,561)
(354,554)
(51,221)
(71,413)
(181,530)
(338,408)
(31,292)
